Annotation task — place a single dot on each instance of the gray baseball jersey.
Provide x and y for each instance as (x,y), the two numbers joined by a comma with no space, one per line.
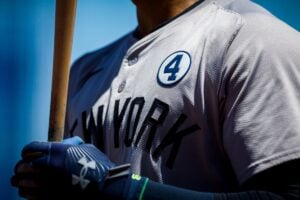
(204,102)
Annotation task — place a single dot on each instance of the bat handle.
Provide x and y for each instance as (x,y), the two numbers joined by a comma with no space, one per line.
(64,28)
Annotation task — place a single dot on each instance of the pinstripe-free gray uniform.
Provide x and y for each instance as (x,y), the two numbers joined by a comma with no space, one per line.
(203,102)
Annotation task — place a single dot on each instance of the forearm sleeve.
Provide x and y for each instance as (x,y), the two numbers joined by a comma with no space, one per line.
(278,183)
(161,192)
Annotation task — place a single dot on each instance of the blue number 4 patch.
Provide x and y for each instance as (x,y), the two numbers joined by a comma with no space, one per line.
(174,68)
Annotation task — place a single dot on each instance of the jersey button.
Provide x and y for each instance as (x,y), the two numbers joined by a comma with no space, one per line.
(132,61)
(121,86)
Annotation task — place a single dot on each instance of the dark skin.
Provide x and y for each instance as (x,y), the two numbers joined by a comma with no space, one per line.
(148,20)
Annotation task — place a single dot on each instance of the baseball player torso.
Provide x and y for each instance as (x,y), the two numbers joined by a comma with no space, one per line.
(156,102)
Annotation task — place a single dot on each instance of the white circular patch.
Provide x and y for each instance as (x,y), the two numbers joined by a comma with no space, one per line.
(174,68)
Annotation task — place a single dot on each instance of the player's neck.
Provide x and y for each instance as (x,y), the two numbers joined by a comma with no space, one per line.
(152,13)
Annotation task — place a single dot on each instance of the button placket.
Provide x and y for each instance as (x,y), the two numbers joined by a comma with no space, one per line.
(129,60)
(133,60)
(122,86)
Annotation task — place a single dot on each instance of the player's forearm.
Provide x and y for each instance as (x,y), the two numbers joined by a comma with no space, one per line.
(281,182)
(150,190)
(162,192)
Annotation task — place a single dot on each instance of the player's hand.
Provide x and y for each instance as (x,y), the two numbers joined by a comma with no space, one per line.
(51,170)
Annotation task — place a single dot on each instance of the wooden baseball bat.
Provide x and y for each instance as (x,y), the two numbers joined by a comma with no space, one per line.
(64,28)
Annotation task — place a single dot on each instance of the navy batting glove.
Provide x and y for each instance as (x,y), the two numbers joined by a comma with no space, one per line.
(84,163)
(73,170)
(70,169)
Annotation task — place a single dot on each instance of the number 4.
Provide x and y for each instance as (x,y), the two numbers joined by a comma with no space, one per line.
(173,67)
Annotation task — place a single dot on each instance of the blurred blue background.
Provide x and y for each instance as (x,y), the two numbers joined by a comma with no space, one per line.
(26,50)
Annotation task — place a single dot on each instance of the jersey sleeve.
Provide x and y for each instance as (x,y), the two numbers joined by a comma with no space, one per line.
(261,90)
(76,71)
(71,88)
